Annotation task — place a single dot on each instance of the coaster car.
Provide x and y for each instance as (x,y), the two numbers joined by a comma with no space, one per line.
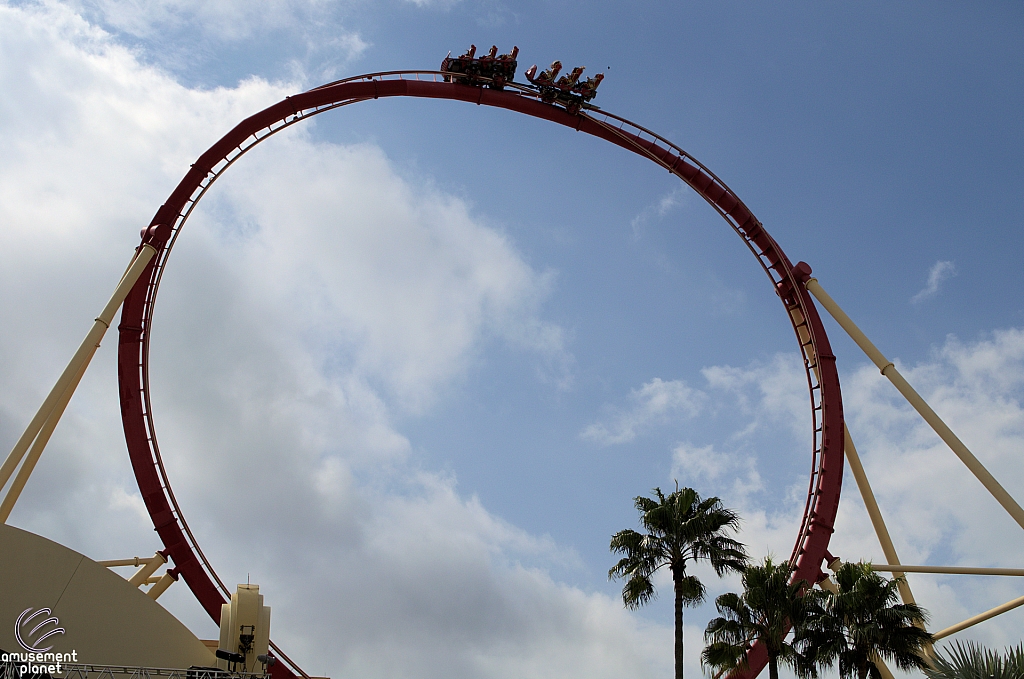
(566,90)
(491,70)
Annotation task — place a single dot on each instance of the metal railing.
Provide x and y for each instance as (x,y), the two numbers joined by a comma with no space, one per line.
(35,670)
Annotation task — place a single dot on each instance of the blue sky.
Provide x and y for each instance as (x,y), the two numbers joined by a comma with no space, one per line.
(438,349)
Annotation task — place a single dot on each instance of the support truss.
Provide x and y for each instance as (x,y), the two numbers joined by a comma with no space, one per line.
(888,369)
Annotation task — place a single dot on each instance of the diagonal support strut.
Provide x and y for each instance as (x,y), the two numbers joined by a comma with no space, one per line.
(945,433)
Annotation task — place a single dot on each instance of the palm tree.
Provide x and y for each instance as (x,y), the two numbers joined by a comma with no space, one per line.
(862,621)
(973,661)
(679,528)
(770,605)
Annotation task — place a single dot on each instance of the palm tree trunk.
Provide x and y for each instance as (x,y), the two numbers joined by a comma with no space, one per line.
(679,629)
(773,667)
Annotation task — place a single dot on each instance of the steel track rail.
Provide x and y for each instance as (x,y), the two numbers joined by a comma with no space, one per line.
(787,280)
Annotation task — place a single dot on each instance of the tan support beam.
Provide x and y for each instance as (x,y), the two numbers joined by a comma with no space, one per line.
(888,549)
(952,570)
(143,573)
(883,669)
(981,617)
(134,561)
(161,586)
(901,384)
(45,420)
(14,492)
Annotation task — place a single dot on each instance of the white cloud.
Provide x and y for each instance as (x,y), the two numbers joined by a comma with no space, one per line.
(655,402)
(395,283)
(229,20)
(767,394)
(708,465)
(434,586)
(659,209)
(937,275)
(936,511)
(977,389)
(309,39)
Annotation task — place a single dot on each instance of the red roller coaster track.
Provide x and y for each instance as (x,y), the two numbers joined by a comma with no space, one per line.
(137,313)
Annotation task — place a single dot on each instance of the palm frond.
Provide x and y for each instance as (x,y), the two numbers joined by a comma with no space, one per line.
(692,590)
(861,622)
(973,661)
(723,658)
(638,591)
(763,613)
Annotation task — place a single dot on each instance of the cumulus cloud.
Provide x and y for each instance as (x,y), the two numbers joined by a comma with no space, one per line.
(228,20)
(448,601)
(309,39)
(659,209)
(315,298)
(939,273)
(764,395)
(936,511)
(394,283)
(705,464)
(654,402)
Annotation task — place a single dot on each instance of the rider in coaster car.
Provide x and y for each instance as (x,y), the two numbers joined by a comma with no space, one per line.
(589,86)
(568,81)
(549,75)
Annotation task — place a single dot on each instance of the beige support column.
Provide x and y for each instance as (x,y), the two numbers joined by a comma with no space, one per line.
(161,586)
(114,563)
(981,617)
(14,492)
(147,570)
(888,549)
(951,570)
(43,423)
(936,423)
(883,669)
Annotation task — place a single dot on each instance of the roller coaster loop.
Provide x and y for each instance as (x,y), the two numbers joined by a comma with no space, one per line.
(787,280)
